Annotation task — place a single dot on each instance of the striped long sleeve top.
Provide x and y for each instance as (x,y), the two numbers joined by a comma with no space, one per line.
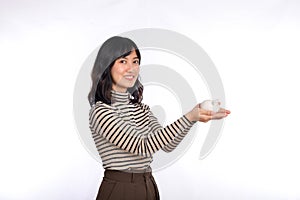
(126,135)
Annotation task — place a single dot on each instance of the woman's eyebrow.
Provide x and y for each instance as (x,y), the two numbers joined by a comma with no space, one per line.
(126,57)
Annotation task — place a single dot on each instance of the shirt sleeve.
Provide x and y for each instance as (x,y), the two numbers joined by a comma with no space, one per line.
(105,120)
(181,127)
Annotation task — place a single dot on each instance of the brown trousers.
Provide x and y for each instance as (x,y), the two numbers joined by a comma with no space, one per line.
(118,185)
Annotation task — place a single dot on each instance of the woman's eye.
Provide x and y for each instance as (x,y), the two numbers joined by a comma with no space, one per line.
(123,61)
(136,62)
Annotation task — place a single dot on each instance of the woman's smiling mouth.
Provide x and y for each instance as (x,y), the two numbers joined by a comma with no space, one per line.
(129,77)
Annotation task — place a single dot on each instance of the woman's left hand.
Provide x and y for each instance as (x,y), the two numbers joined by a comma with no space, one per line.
(202,115)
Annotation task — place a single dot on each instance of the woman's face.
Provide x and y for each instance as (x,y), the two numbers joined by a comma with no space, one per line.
(125,71)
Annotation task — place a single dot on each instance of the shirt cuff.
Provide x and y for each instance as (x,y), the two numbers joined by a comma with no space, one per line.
(186,120)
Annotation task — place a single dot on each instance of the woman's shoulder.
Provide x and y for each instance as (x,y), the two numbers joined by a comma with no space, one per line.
(100,104)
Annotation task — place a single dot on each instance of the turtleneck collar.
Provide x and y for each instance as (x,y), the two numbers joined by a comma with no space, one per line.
(120,97)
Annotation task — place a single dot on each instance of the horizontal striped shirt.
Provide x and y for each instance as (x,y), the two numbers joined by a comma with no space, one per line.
(127,135)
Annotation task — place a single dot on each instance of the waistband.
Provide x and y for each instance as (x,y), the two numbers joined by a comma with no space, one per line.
(123,176)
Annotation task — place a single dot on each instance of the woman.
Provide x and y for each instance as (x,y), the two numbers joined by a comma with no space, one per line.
(125,131)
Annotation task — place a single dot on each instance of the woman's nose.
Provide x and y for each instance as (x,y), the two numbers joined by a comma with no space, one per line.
(131,67)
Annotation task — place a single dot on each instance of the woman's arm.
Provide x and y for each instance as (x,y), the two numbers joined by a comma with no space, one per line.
(105,120)
(186,123)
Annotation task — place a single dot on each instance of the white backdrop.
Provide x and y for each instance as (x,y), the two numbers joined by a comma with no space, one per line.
(254,45)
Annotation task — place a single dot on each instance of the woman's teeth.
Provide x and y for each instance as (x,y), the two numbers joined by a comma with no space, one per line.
(129,77)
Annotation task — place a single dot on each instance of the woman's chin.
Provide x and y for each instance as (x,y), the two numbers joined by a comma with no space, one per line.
(130,84)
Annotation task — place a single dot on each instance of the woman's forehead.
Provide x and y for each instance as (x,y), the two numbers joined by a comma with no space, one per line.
(131,55)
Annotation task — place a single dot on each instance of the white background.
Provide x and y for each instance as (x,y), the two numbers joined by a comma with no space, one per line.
(255,46)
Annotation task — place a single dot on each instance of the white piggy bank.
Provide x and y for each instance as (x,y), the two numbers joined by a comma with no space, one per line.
(213,105)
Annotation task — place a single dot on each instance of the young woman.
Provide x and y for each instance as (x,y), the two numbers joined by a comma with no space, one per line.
(125,131)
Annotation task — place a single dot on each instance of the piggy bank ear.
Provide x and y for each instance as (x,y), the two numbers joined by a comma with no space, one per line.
(216,105)
(216,102)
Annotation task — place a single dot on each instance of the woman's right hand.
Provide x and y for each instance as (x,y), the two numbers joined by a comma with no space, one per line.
(202,115)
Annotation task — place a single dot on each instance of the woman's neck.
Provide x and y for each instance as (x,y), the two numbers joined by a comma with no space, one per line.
(120,97)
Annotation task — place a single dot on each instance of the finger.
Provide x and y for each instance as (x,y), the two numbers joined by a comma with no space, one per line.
(219,115)
(206,112)
(222,110)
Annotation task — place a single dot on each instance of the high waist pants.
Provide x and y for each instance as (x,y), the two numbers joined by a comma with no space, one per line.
(118,185)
